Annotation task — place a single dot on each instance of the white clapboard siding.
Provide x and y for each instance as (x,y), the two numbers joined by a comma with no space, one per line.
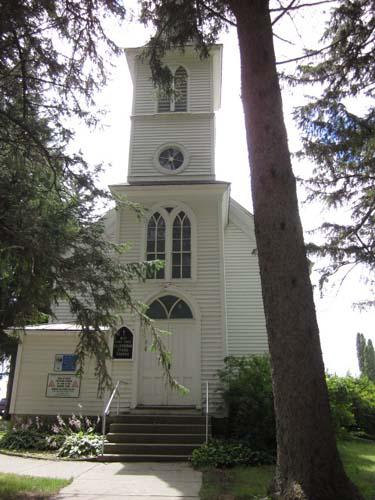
(246,330)
(37,356)
(36,360)
(194,132)
(199,84)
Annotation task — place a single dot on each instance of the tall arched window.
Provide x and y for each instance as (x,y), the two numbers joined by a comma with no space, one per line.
(181,247)
(156,242)
(180,88)
(177,101)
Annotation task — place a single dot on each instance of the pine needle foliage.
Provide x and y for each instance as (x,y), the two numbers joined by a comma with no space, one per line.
(341,141)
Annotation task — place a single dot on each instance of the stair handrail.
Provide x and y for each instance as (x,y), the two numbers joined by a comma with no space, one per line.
(206,411)
(108,407)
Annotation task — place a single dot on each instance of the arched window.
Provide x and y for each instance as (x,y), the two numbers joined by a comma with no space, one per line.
(156,242)
(177,100)
(123,344)
(181,247)
(169,307)
(180,88)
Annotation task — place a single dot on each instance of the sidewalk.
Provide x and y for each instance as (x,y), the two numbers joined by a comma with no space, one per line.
(112,481)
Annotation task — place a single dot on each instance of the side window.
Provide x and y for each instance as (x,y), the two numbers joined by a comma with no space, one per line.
(156,242)
(181,247)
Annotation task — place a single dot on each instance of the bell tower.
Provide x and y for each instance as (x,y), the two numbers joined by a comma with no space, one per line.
(173,138)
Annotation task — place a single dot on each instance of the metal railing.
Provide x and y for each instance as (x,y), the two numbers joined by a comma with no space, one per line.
(206,411)
(107,408)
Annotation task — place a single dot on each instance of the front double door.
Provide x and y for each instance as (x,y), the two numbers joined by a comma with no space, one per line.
(183,345)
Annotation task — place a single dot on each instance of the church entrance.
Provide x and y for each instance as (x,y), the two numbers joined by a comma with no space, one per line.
(173,315)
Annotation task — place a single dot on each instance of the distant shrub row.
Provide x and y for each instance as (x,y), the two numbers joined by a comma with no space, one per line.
(247,393)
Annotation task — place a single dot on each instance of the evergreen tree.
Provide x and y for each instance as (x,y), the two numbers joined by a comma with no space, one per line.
(308,464)
(52,59)
(361,349)
(341,140)
(370,361)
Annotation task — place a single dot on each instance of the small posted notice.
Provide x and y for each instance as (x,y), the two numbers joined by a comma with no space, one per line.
(62,386)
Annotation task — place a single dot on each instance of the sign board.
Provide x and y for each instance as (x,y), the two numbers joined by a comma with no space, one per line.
(65,363)
(123,344)
(63,386)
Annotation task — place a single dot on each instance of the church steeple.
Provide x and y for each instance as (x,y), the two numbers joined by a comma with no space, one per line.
(172,137)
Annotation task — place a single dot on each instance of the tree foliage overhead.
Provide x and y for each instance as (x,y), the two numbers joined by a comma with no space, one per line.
(53,57)
(340,138)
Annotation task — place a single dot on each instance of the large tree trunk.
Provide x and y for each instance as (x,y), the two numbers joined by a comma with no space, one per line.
(308,464)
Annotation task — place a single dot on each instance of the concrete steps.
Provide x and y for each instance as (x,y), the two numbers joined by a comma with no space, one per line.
(147,435)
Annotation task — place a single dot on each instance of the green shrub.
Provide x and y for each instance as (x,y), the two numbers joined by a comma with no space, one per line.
(247,393)
(341,405)
(37,434)
(24,440)
(81,445)
(228,454)
(352,403)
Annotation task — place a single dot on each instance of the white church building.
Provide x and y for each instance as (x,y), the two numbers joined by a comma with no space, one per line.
(208,294)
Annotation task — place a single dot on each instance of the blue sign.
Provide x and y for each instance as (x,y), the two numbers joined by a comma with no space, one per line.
(65,363)
(69,363)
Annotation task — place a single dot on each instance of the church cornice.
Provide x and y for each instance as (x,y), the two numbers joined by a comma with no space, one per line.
(174,115)
(218,187)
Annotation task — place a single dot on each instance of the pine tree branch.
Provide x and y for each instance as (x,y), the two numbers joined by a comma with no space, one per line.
(303,5)
(23,73)
(310,53)
(217,14)
(284,11)
(283,39)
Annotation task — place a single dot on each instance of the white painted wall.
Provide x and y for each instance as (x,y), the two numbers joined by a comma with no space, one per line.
(246,329)
(35,361)
(194,129)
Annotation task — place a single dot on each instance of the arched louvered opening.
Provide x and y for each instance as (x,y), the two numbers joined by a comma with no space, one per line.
(156,242)
(180,88)
(181,246)
(164,102)
(169,307)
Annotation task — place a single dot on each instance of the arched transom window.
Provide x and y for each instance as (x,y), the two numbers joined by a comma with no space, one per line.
(169,307)
(177,101)
(169,238)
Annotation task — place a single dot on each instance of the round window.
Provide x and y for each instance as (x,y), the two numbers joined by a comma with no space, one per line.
(171,158)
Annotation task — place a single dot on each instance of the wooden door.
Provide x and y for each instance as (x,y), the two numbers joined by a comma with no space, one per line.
(182,343)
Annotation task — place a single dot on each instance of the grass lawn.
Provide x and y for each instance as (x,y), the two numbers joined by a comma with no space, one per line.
(251,483)
(14,487)
(358,457)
